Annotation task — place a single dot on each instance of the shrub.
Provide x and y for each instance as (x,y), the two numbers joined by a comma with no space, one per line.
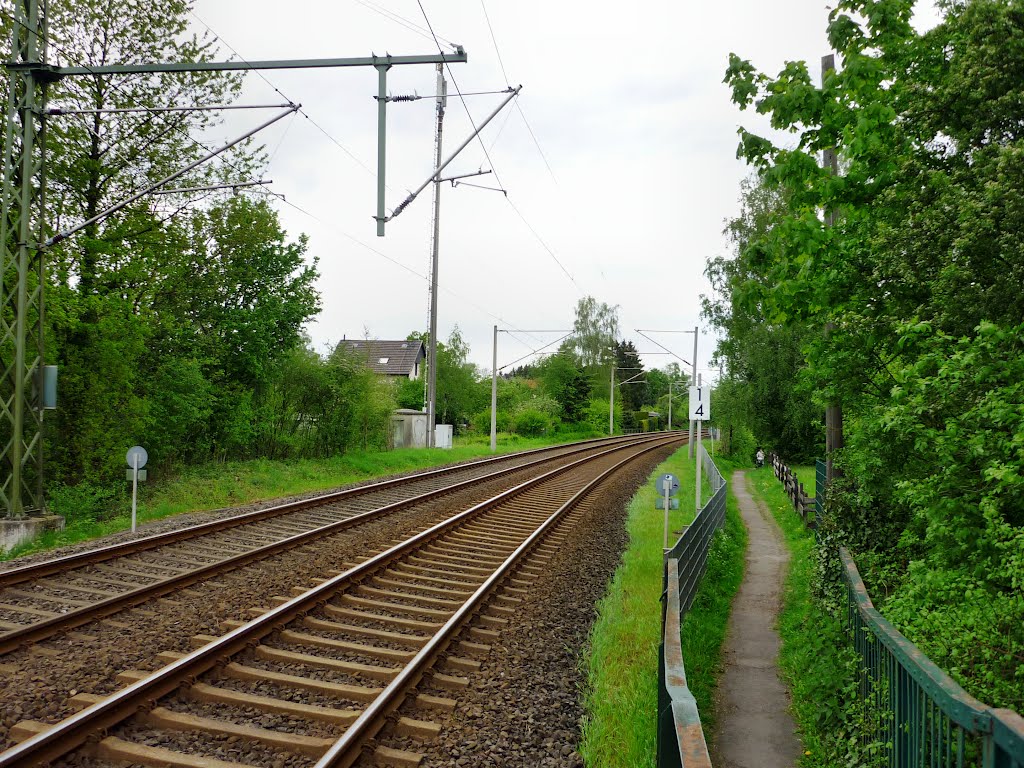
(532,423)
(86,502)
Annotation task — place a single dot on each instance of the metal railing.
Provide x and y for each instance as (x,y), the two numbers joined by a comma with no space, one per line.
(820,478)
(680,736)
(915,714)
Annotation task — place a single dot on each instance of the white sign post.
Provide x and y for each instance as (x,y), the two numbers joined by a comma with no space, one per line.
(700,409)
(136,458)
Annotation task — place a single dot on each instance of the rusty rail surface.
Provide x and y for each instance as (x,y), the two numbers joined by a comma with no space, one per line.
(681,742)
(61,739)
(920,715)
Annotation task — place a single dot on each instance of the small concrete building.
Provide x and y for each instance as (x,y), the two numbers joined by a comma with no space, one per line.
(409,428)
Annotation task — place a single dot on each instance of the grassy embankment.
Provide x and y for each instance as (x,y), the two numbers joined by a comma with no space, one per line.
(813,658)
(225,484)
(622,668)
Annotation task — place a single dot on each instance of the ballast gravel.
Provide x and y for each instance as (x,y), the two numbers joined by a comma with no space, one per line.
(524,707)
(37,682)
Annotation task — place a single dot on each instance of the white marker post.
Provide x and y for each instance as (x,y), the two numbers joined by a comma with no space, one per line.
(700,409)
(136,458)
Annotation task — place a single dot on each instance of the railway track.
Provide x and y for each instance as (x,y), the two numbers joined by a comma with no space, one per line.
(331,675)
(41,600)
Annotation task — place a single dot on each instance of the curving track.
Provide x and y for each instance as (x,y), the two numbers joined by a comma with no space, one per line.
(40,600)
(320,677)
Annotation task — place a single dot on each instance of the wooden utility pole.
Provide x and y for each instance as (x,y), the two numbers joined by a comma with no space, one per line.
(834,411)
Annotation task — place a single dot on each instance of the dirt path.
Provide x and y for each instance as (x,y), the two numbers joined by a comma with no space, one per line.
(755,729)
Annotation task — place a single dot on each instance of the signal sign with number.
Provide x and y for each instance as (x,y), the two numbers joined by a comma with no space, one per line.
(700,403)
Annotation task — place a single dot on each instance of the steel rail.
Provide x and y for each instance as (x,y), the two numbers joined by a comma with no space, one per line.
(11,640)
(347,748)
(49,567)
(76,730)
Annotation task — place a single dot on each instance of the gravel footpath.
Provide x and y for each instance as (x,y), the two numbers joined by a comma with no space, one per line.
(525,705)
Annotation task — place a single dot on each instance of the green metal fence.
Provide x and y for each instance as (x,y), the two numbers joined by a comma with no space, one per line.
(820,477)
(919,716)
(680,736)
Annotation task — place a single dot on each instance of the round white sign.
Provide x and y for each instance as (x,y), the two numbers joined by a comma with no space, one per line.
(137,453)
(668,483)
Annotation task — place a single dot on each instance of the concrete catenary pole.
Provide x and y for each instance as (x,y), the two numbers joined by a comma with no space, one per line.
(494,394)
(698,423)
(611,404)
(442,89)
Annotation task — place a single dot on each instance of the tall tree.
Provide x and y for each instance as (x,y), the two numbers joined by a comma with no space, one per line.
(909,306)
(595,331)
(567,384)
(168,317)
(765,357)
(636,393)
(99,158)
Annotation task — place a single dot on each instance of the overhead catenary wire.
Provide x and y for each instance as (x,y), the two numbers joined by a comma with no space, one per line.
(669,351)
(396,262)
(494,40)
(402,21)
(536,351)
(497,177)
(519,108)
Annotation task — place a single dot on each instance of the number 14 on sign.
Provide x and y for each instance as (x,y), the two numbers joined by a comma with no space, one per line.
(700,403)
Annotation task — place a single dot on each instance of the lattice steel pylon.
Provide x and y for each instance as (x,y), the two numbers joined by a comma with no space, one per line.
(22,269)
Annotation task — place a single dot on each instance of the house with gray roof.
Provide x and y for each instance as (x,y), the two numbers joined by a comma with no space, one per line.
(389,358)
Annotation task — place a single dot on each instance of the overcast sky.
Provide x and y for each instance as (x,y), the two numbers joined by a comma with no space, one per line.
(627,105)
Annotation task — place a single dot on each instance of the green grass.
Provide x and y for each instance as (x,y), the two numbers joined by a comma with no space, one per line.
(226,484)
(622,668)
(812,657)
(806,475)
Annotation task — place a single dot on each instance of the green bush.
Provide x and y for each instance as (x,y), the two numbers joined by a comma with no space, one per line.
(86,502)
(738,441)
(482,422)
(532,423)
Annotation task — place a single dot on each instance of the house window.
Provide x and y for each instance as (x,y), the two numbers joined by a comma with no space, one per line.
(384,360)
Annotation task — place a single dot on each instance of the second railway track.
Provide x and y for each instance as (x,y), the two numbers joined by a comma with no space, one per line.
(318,678)
(42,599)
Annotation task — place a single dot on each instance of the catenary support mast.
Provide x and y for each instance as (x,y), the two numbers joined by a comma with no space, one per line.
(23,230)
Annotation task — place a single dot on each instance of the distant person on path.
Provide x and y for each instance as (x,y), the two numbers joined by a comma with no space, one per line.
(759,457)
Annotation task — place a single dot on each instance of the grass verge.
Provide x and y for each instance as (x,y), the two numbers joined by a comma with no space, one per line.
(622,668)
(814,658)
(88,510)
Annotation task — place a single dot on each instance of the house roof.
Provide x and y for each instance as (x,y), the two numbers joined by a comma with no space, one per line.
(392,358)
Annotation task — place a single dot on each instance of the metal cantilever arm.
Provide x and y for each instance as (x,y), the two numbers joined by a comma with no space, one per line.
(153,187)
(513,92)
